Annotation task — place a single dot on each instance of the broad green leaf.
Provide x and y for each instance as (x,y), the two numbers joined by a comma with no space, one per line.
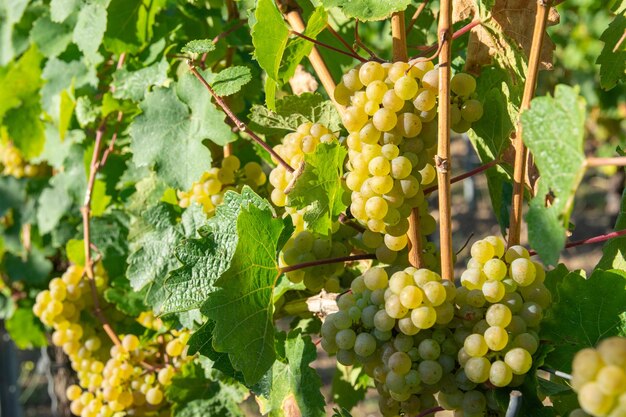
(121,295)
(133,85)
(59,76)
(201,342)
(86,110)
(213,407)
(110,235)
(583,314)
(614,251)
(171,129)
(190,384)
(13,192)
(89,29)
(293,387)
(230,80)
(11,12)
(292,111)
(25,127)
(242,303)
(62,9)
(613,63)
(269,37)
(20,81)
(99,199)
(25,329)
(198,46)
(129,24)
(66,110)
(32,268)
(365,10)
(318,190)
(553,130)
(346,390)
(55,150)
(51,38)
(54,202)
(75,251)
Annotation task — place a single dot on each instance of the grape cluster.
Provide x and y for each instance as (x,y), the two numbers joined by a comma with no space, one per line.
(465,109)
(111,379)
(305,246)
(392,141)
(599,378)
(209,190)
(13,163)
(395,327)
(501,304)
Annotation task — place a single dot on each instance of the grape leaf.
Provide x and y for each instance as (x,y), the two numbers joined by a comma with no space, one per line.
(213,407)
(613,63)
(171,129)
(583,314)
(89,29)
(62,9)
(133,85)
(32,268)
(60,75)
(198,46)
(556,143)
(292,111)
(504,34)
(50,37)
(54,202)
(230,80)
(318,190)
(614,251)
(25,329)
(75,251)
(121,295)
(346,390)
(13,193)
(25,127)
(242,302)
(109,235)
(129,24)
(201,342)
(190,384)
(365,10)
(11,13)
(269,37)
(292,386)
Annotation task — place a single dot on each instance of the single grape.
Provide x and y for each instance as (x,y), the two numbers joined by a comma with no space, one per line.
(500,374)
(519,360)
(477,369)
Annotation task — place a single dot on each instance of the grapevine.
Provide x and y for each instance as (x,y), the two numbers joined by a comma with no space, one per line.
(204,203)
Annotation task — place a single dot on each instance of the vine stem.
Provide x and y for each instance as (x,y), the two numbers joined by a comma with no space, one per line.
(240,125)
(465,175)
(294,18)
(521,153)
(333,32)
(600,162)
(398,35)
(428,49)
(318,262)
(361,44)
(430,411)
(515,404)
(588,241)
(442,159)
(325,45)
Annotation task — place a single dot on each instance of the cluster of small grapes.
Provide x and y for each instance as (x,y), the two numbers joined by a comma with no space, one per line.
(305,246)
(395,327)
(465,109)
(599,378)
(13,163)
(209,190)
(111,379)
(292,149)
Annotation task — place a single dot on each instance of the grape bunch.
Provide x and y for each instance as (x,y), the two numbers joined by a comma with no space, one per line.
(111,378)
(599,378)
(209,190)
(392,141)
(464,109)
(305,246)
(13,163)
(395,327)
(501,302)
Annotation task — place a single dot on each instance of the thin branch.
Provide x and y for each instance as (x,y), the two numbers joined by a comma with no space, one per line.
(428,49)
(467,241)
(430,411)
(109,149)
(416,16)
(325,45)
(340,38)
(588,241)
(342,259)
(515,404)
(601,162)
(361,44)
(240,125)
(348,222)
(442,158)
(620,41)
(521,153)
(465,175)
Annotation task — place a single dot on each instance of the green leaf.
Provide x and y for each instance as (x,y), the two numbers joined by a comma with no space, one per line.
(62,9)
(614,251)
(121,295)
(554,132)
(613,63)
(25,127)
(110,235)
(54,202)
(293,387)
(198,46)
(230,80)
(213,407)
(75,251)
(25,329)
(50,37)
(99,199)
(292,111)
(318,191)
(66,110)
(190,384)
(133,85)
(13,192)
(171,129)
(583,314)
(60,76)
(32,268)
(89,29)
(11,12)
(346,390)
(201,342)
(269,37)
(365,10)
(129,24)
(242,303)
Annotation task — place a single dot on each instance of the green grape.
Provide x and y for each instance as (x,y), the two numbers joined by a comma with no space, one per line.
(435,293)
(346,357)
(522,271)
(513,301)
(425,100)
(431,79)
(405,87)
(401,167)
(475,298)
(371,71)
(409,125)
(375,278)
(383,322)
(411,296)
(429,349)
(517,325)
(379,166)
(345,339)
(424,317)
(495,269)
(402,342)
(394,307)
(462,84)
(473,279)
(527,342)
(392,102)
(613,351)
(400,363)
(341,320)
(450,400)
(430,372)
(475,345)
(500,374)
(376,208)
(384,120)
(593,400)
(474,403)
(531,313)
(472,110)
(396,243)
(477,369)
(612,380)
(364,344)
(354,118)
(515,252)
(519,360)
(498,315)
(351,80)
(462,126)
(493,291)
(482,251)
(496,338)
